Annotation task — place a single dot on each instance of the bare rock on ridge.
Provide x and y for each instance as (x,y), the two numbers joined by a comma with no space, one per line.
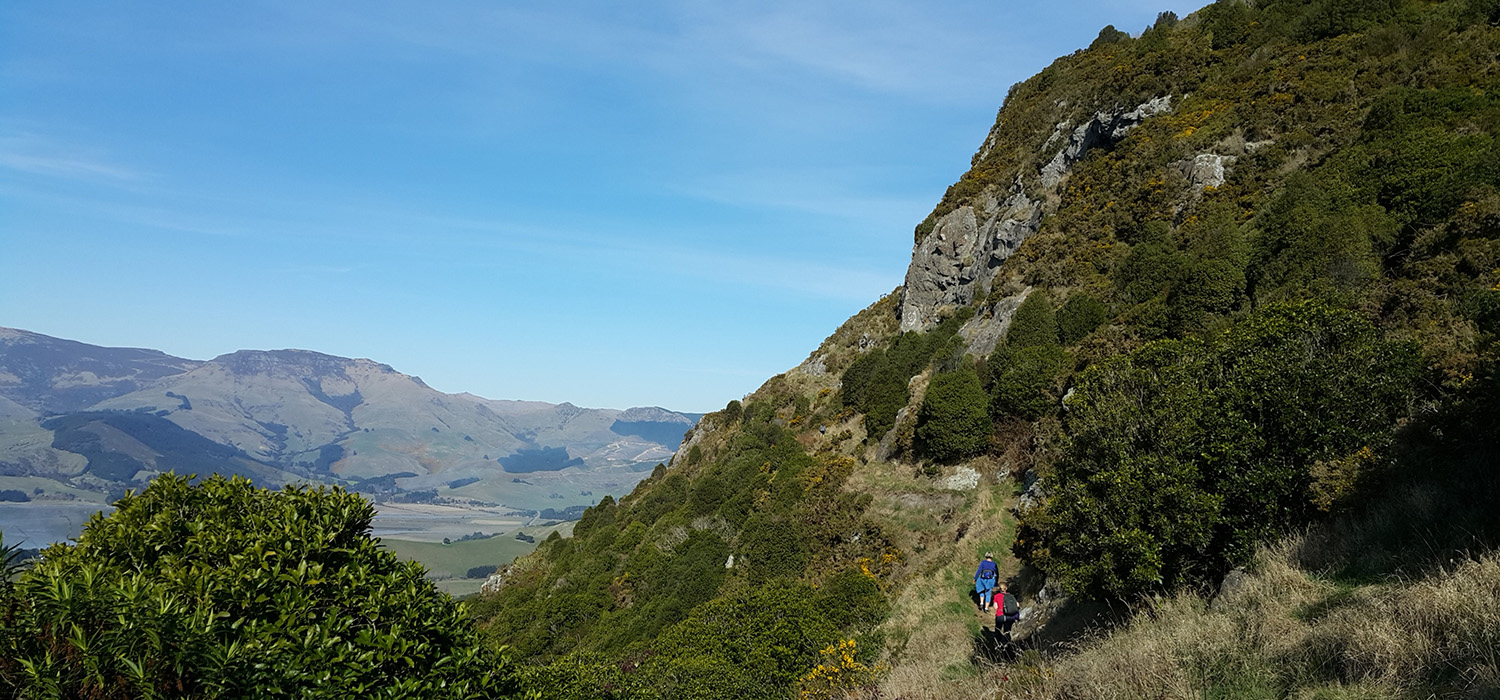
(958,260)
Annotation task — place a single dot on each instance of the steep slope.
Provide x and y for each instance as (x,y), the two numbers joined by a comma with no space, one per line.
(1202,289)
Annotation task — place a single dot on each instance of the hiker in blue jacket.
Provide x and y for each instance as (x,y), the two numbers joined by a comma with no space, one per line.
(984,580)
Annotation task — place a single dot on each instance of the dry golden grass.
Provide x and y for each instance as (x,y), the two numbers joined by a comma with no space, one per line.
(1289,633)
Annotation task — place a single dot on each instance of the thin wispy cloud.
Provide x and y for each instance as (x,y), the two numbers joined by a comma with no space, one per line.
(29,153)
(827,192)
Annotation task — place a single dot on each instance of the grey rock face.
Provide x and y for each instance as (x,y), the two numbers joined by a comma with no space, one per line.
(1035,493)
(1205,170)
(1106,128)
(815,366)
(983,332)
(960,256)
(958,260)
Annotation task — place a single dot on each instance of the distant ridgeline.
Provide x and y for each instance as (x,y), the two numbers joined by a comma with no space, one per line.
(94,420)
(1199,289)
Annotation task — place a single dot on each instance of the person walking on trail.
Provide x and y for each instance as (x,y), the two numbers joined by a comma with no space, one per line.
(1007,610)
(984,580)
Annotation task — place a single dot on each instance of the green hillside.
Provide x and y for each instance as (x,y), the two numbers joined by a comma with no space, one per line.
(1224,320)
(1202,348)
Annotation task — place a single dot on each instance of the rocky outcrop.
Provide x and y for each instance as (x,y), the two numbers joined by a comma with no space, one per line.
(1205,170)
(983,332)
(1104,129)
(958,260)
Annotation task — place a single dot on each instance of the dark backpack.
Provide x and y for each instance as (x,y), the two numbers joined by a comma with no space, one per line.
(1009,606)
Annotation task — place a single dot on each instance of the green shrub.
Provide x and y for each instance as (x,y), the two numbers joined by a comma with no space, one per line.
(1109,35)
(1035,323)
(1183,456)
(1150,270)
(1024,381)
(1229,23)
(227,590)
(877,383)
(851,599)
(772,547)
(1079,316)
(953,422)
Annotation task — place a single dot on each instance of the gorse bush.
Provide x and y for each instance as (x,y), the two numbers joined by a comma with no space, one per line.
(222,589)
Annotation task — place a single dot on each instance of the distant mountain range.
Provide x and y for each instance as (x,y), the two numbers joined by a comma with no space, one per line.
(101,419)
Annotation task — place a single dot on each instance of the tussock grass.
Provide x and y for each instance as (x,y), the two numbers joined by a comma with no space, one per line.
(1286,632)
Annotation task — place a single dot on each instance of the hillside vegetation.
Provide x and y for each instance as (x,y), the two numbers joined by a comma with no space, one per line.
(1243,353)
(1203,348)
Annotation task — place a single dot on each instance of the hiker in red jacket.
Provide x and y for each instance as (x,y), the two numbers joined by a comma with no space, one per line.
(1007,609)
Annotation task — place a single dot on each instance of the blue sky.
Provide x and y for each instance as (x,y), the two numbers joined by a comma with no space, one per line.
(612,204)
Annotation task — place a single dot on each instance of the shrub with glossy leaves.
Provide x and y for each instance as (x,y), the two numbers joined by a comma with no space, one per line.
(223,589)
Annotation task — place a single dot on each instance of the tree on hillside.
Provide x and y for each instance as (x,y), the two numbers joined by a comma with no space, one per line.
(1034,324)
(223,589)
(1079,316)
(953,422)
(1024,382)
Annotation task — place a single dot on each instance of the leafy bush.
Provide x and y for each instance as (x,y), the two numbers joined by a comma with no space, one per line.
(1034,324)
(953,422)
(1024,381)
(225,589)
(877,383)
(1229,23)
(1079,316)
(1182,456)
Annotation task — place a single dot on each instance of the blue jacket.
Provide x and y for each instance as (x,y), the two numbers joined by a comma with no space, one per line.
(987,566)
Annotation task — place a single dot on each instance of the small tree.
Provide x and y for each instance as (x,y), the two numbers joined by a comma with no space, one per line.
(1079,317)
(953,422)
(1035,323)
(1025,381)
